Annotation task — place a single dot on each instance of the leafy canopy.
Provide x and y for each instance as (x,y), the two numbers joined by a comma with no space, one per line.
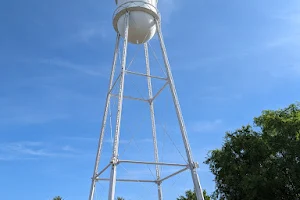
(260,162)
(191,195)
(57,198)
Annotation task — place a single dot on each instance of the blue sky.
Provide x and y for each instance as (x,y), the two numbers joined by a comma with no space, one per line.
(230,60)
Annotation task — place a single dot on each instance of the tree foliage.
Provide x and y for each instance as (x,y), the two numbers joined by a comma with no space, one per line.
(57,198)
(191,195)
(260,162)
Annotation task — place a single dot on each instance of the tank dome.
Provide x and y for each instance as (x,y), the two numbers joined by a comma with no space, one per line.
(142,26)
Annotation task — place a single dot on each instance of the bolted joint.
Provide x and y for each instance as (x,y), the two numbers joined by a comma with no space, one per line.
(168,79)
(158,182)
(114,161)
(194,165)
(94,178)
(150,101)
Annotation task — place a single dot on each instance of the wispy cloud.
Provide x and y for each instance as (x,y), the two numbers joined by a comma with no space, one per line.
(88,34)
(92,70)
(220,94)
(167,7)
(205,126)
(290,19)
(122,141)
(208,62)
(68,148)
(32,150)
(289,70)
(291,39)
(290,15)
(90,31)
(24,149)
(81,139)
(221,98)
(129,141)
(50,104)
(27,116)
(287,38)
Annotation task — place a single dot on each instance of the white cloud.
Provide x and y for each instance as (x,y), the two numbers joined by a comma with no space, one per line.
(208,62)
(205,126)
(290,14)
(82,139)
(292,70)
(24,148)
(166,8)
(91,30)
(32,150)
(86,35)
(220,98)
(32,118)
(130,141)
(291,39)
(12,113)
(50,104)
(94,139)
(290,19)
(68,148)
(122,141)
(91,70)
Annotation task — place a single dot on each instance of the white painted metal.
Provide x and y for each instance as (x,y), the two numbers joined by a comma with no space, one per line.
(137,21)
(120,2)
(103,170)
(141,74)
(127,180)
(192,164)
(178,172)
(141,22)
(114,161)
(159,91)
(93,185)
(150,93)
(152,163)
(132,98)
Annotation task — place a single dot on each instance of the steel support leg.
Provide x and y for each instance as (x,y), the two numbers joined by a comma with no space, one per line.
(93,185)
(196,181)
(114,161)
(150,92)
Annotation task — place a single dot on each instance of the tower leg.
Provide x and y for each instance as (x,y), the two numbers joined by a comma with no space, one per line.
(92,190)
(192,165)
(150,92)
(114,161)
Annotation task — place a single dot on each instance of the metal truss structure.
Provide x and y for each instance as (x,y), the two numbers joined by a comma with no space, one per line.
(114,162)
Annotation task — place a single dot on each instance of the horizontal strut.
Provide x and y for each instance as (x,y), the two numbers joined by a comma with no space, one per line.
(141,74)
(132,98)
(161,89)
(103,170)
(146,181)
(114,84)
(178,172)
(127,180)
(152,163)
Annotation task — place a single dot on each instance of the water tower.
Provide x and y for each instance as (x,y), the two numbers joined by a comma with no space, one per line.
(136,22)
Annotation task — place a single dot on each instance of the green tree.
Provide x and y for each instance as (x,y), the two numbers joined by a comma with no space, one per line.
(260,162)
(191,195)
(57,198)
(120,198)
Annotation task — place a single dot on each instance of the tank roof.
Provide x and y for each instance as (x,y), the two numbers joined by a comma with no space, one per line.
(116,1)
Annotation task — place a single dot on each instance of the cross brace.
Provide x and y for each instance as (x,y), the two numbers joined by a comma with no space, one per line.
(146,181)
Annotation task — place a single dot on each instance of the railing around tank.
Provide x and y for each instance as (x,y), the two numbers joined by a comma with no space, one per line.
(134,6)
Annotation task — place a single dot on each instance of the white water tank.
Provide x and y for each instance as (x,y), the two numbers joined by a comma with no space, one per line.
(142,15)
